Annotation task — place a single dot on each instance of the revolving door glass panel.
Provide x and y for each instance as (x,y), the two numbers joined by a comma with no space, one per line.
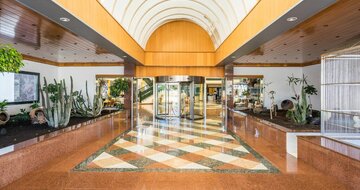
(185,100)
(168,100)
(198,101)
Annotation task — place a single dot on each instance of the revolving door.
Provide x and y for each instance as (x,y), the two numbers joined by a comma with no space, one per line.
(179,96)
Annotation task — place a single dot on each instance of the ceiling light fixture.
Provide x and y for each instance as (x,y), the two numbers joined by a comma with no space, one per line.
(233,57)
(124,56)
(291,19)
(64,19)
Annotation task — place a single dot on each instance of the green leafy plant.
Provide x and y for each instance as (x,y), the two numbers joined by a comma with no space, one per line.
(21,117)
(301,110)
(57,103)
(119,86)
(3,105)
(34,105)
(10,59)
(85,108)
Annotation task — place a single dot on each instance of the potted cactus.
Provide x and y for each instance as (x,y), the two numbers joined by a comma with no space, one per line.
(84,108)
(57,103)
(4,116)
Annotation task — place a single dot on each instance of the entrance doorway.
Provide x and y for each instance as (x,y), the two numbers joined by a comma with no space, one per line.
(179,96)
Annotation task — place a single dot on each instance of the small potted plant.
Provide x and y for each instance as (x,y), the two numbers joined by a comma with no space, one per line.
(4,116)
(10,59)
(37,114)
(118,89)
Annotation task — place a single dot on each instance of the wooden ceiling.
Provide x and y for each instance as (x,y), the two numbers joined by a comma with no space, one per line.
(330,29)
(35,36)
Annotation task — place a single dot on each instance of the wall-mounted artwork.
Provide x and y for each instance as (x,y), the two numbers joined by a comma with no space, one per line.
(19,88)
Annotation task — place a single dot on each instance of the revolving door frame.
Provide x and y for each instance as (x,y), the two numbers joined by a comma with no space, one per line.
(180,80)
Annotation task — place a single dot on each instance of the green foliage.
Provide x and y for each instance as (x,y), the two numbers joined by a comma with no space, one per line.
(21,117)
(10,59)
(310,90)
(58,105)
(34,105)
(84,108)
(301,110)
(120,85)
(3,105)
(246,92)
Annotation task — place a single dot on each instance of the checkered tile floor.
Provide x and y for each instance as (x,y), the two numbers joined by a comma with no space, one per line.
(177,146)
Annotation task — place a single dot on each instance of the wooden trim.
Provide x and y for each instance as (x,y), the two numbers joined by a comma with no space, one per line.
(107,76)
(159,51)
(39,60)
(248,76)
(89,64)
(277,64)
(71,64)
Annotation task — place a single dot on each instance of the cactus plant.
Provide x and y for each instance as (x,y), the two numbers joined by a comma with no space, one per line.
(58,105)
(84,108)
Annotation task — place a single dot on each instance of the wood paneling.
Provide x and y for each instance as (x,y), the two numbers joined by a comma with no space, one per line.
(180,36)
(71,64)
(146,71)
(336,26)
(263,14)
(179,43)
(36,36)
(94,15)
(179,59)
(277,64)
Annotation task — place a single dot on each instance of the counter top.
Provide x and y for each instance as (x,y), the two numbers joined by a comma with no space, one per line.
(280,122)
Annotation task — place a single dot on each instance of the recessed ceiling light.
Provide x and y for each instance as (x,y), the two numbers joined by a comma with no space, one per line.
(233,57)
(124,56)
(64,19)
(291,19)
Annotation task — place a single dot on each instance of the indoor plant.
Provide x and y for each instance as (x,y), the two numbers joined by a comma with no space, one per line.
(10,59)
(57,103)
(119,87)
(301,110)
(117,90)
(85,108)
(4,116)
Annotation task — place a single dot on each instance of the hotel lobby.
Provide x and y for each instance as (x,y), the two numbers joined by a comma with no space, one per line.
(179,94)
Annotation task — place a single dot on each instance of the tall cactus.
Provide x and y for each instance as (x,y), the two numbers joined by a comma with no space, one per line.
(58,105)
(84,108)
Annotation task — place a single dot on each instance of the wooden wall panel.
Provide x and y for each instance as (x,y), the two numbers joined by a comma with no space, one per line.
(179,59)
(179,43)
(180,36)
(95,16)
(262,15)
(145,71)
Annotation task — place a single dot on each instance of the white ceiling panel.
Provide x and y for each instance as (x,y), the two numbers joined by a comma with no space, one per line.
(140,18)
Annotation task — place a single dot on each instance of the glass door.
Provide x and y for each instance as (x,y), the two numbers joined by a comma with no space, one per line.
(168,100)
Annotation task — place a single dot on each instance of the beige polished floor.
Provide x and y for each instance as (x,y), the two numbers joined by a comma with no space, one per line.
(59,174)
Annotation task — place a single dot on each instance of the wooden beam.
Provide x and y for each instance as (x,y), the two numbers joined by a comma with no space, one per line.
(93,14)
(265,21)
(153,71)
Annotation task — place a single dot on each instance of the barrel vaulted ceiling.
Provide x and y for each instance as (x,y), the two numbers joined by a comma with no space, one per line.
(140,18)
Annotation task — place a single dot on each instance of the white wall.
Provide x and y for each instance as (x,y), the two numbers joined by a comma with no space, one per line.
(82,74)
(278,78)
(313,74)
(79,74)
(47,71)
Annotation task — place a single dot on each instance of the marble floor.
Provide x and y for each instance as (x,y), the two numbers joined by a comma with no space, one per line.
(177,145)
(176,154)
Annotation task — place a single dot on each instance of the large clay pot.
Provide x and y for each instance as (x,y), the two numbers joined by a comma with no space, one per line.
(287,105)
(4,117)
(37,116)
